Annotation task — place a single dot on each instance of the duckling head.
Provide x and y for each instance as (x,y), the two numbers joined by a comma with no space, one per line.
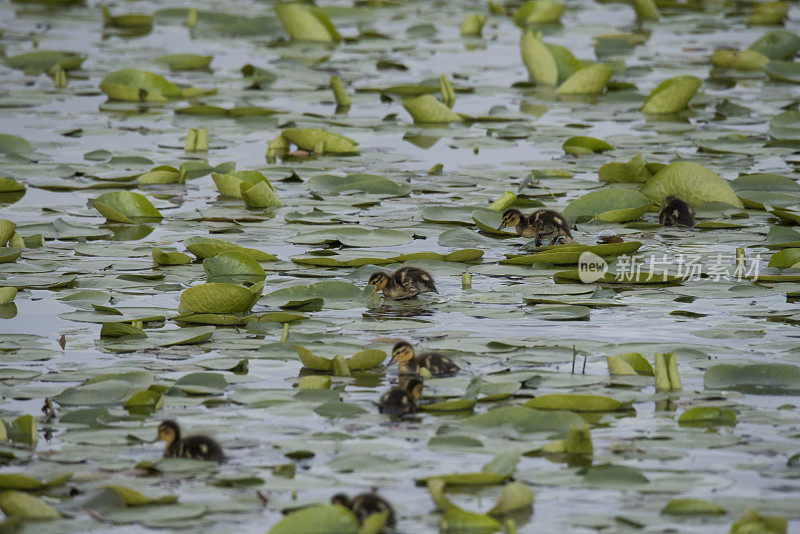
(402,353)
(511,217)
(380,280)
(169,432)
(426,281)
(414,388)
(342,500)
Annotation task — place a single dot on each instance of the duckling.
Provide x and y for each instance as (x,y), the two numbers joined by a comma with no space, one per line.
(675,211)
(364,505)
(195,447)
(548,224)
(409,363)
(400,401)
(404,283)
(515,218)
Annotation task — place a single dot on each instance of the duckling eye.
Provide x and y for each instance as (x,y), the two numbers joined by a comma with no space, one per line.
(548,228)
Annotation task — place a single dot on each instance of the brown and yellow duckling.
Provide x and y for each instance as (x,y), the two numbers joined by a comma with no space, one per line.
(675,211)
(409,363)
(400,401)
(513,218)
(404,283)
(194,447)
(549,224)
(364,505)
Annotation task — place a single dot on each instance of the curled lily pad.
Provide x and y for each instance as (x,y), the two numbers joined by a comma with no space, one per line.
(613,204)
(230,184)
(161,257)
(260,195)
(206,247)
(629,364)
(785,71)
(583,145)
(472,25)
(753,522)
(707,416)
(541,65)
(138,86)
(671,95)
(588,80)
(125,206)
(305,22)
(218,298)
(779,44)
(332,519)
(232,263)
(320,141)
(14,144)
(739,59)
(361,361)
(785,125)
(691,182)
(20,505)
(539,12)
(426,109)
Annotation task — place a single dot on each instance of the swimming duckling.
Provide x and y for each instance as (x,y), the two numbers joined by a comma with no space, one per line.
(195,447)
(515,218)
(675,211)
(404,283)
(364,505)
(400,401)
(548,224)
(409,363)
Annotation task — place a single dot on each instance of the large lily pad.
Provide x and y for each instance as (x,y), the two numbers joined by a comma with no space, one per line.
(690,182)
(613,205)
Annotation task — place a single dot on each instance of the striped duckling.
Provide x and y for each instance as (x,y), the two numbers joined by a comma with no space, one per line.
(194,447)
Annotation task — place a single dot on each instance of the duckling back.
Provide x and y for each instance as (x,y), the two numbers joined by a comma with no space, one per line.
(437,364)
(549,225)
(397,401)
(412,277)
(675,211)
(366,504)
(196,448)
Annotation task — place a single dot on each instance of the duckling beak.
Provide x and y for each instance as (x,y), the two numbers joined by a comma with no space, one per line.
(392,360)
(502,225)
(433,288)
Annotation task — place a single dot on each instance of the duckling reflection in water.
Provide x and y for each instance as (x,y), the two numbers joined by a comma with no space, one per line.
(549,224)
(404,283)
(513,218)
(409,363)
(364,505)
(194,447)
(400,401)
(675,211)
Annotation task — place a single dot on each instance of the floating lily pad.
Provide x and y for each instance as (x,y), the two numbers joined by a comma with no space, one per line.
(613,205)
(690,182)
(125,207)
(671,95)
(220,298)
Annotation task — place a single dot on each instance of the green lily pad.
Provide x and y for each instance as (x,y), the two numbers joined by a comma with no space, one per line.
(185,61)
(138,86)
(570,254)
(583,145)
(539,12)
(230,184)
(426,109)
(218,298)
(707,416)
(612,205)
(588,80)
(577,403)
(692,507)
(232,263)
(739,59)
(20,505)
(671,95)
(785,71)
(206,247)
(779,44)
(161,257)
(785,126)
(690,182)
(312,139)
(125,207)
(305,22)
(541,65)
(14,144)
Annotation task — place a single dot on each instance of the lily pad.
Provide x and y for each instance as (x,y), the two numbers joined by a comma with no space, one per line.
(613,205)
(690,182)
(219,298)
(125,207)
(671,95)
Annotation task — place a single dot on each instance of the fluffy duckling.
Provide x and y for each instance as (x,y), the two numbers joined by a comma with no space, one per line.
(409,363)
(400,401)
(676,212)
(548,224)
(514,218)
(195,447)
(364,505)
(404,283)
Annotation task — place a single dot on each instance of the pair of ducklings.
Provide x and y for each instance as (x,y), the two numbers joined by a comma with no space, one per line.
(404,398)
(541,225)
(404,283)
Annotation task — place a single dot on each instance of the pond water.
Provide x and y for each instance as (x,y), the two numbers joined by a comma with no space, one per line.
(518,332)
